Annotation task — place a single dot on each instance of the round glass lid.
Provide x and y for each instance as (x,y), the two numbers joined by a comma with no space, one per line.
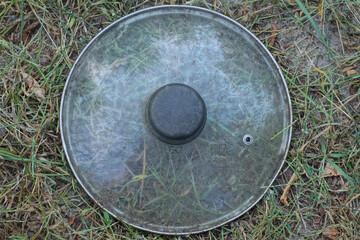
(175,119)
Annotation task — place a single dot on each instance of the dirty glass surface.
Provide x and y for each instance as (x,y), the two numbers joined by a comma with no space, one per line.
(186,188)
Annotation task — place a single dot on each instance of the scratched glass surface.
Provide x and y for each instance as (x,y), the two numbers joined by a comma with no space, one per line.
(191,187)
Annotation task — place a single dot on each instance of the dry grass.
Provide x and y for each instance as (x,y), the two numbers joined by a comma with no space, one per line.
(317,44)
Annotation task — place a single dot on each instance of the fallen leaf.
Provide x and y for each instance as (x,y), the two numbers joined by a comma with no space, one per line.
(349,68)
(283,198)
(272,38)
(33,86)
(357,48)
(330,171)
(245,17)
(72,220)
(351,72)
(29,29)
(301,149)
(242,11)
(186,192)
(319,70)
(331,233)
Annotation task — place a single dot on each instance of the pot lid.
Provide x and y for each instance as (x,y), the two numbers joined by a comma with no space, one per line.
(175,119)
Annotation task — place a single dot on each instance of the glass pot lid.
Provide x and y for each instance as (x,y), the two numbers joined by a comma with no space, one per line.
(175,119)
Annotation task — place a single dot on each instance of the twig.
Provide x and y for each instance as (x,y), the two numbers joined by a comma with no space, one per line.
(284,196)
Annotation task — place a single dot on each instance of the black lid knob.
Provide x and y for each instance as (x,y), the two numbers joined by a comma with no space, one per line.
(176,113)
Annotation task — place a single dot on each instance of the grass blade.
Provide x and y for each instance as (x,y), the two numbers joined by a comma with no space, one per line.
(311,20)
(350,180)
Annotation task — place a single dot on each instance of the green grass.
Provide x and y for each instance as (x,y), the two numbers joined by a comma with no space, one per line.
(39,196)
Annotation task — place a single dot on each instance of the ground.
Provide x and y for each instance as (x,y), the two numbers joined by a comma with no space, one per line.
(317,45)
